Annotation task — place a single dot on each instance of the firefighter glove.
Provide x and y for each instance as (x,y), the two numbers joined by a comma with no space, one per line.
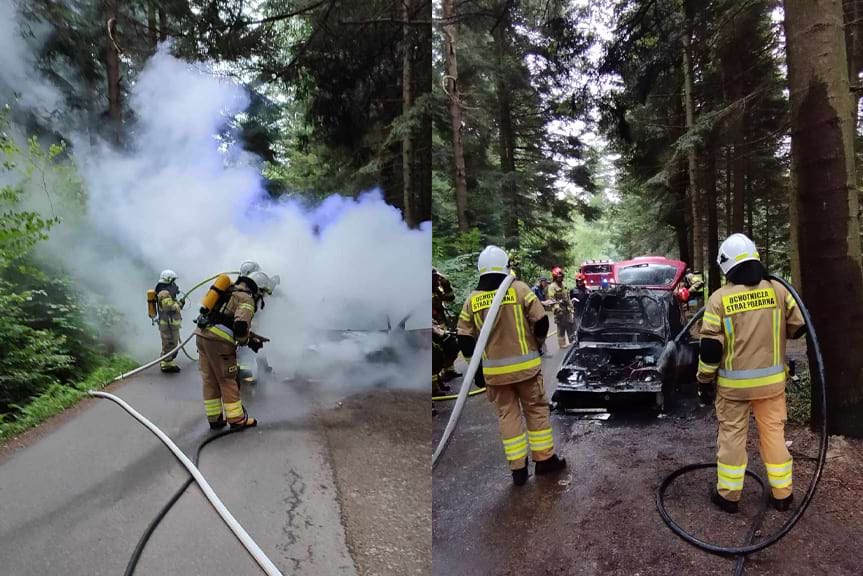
(707,392)
(256,344)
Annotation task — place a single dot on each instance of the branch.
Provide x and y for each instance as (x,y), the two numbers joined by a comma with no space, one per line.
(288,15)
(387,21)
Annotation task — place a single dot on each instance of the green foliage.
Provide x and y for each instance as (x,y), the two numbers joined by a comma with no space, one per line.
(455,257)
(57,397)
(45,341)
(798,397)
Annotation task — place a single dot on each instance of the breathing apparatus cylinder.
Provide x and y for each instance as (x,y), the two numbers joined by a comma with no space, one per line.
(211,298)
(151,304)
(484,334)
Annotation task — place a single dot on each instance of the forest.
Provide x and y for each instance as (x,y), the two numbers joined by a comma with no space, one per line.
(565,131)
(339,102)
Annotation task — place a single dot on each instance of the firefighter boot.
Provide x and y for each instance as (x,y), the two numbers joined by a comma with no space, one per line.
(246,422)
(450,374)
(519,475)
(728,506)
(549,466)
(218,424)
(169,366)
(782,505)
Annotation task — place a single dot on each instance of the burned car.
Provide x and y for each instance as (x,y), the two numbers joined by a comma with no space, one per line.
(625,351)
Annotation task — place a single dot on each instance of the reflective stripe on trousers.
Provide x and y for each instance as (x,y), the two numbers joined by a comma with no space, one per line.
(540,440)
(779,475)
(234,409)
(515,447)
(213,407)
(729,477)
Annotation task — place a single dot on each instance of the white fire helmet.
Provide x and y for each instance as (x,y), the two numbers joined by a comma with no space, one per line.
(167,276)
(735,249)
(248,267)
(264,283)
(493,260)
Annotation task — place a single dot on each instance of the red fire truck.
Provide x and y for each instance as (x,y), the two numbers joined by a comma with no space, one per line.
(595,271)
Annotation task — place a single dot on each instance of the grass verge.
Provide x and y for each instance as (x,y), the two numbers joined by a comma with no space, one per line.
(58,397)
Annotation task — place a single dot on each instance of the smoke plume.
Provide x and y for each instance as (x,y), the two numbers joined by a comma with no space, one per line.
(180,195)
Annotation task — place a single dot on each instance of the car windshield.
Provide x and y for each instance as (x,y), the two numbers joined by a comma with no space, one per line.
(631,310)
(596,269)
(647,275)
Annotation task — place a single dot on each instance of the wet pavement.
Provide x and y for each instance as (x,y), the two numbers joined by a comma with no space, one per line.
(600,518)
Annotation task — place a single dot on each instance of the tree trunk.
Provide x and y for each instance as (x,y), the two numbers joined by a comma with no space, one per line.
(728,197)
(112,68)
(712,198)
(854,49)
(422,74)
(152,27)
(677,218)
(507,139)
(822,148)
(750,204)
(450,37)
(697,262)
(766,258)
(739,178)
(407,106)
(794,233)
(163,25)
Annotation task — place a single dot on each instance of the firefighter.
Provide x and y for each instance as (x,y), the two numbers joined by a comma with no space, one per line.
(694,282)
(218,336)
(562,308)
(168,308)
(248,267)
(578,295)
(444,353)
(442,293)
(512,365)
(541,291)
(743,337)
(245,371)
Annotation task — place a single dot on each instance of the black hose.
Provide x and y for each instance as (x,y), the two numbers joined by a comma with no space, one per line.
(139,548)
(742,551)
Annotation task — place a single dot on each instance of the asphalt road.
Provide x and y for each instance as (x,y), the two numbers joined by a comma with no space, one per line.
(75,500)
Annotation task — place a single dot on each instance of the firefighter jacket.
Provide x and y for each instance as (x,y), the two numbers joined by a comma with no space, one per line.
(751,323)
(695,282)
(512,352)
(232,322)
(167,306)
(562,303)
(442,292)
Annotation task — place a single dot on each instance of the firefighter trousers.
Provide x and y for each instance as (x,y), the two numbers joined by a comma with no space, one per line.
(170,333)
(217,362)
(770,416)
(565,327)
(515,404)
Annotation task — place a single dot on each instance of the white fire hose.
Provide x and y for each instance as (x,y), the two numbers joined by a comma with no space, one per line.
(154,362)
(260,557)
(472,368)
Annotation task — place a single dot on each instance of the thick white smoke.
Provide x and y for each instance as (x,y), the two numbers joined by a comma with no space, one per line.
(180,197)
(18,79)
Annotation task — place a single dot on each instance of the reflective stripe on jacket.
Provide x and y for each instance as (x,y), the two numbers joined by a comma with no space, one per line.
(512,351)
(752,324)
